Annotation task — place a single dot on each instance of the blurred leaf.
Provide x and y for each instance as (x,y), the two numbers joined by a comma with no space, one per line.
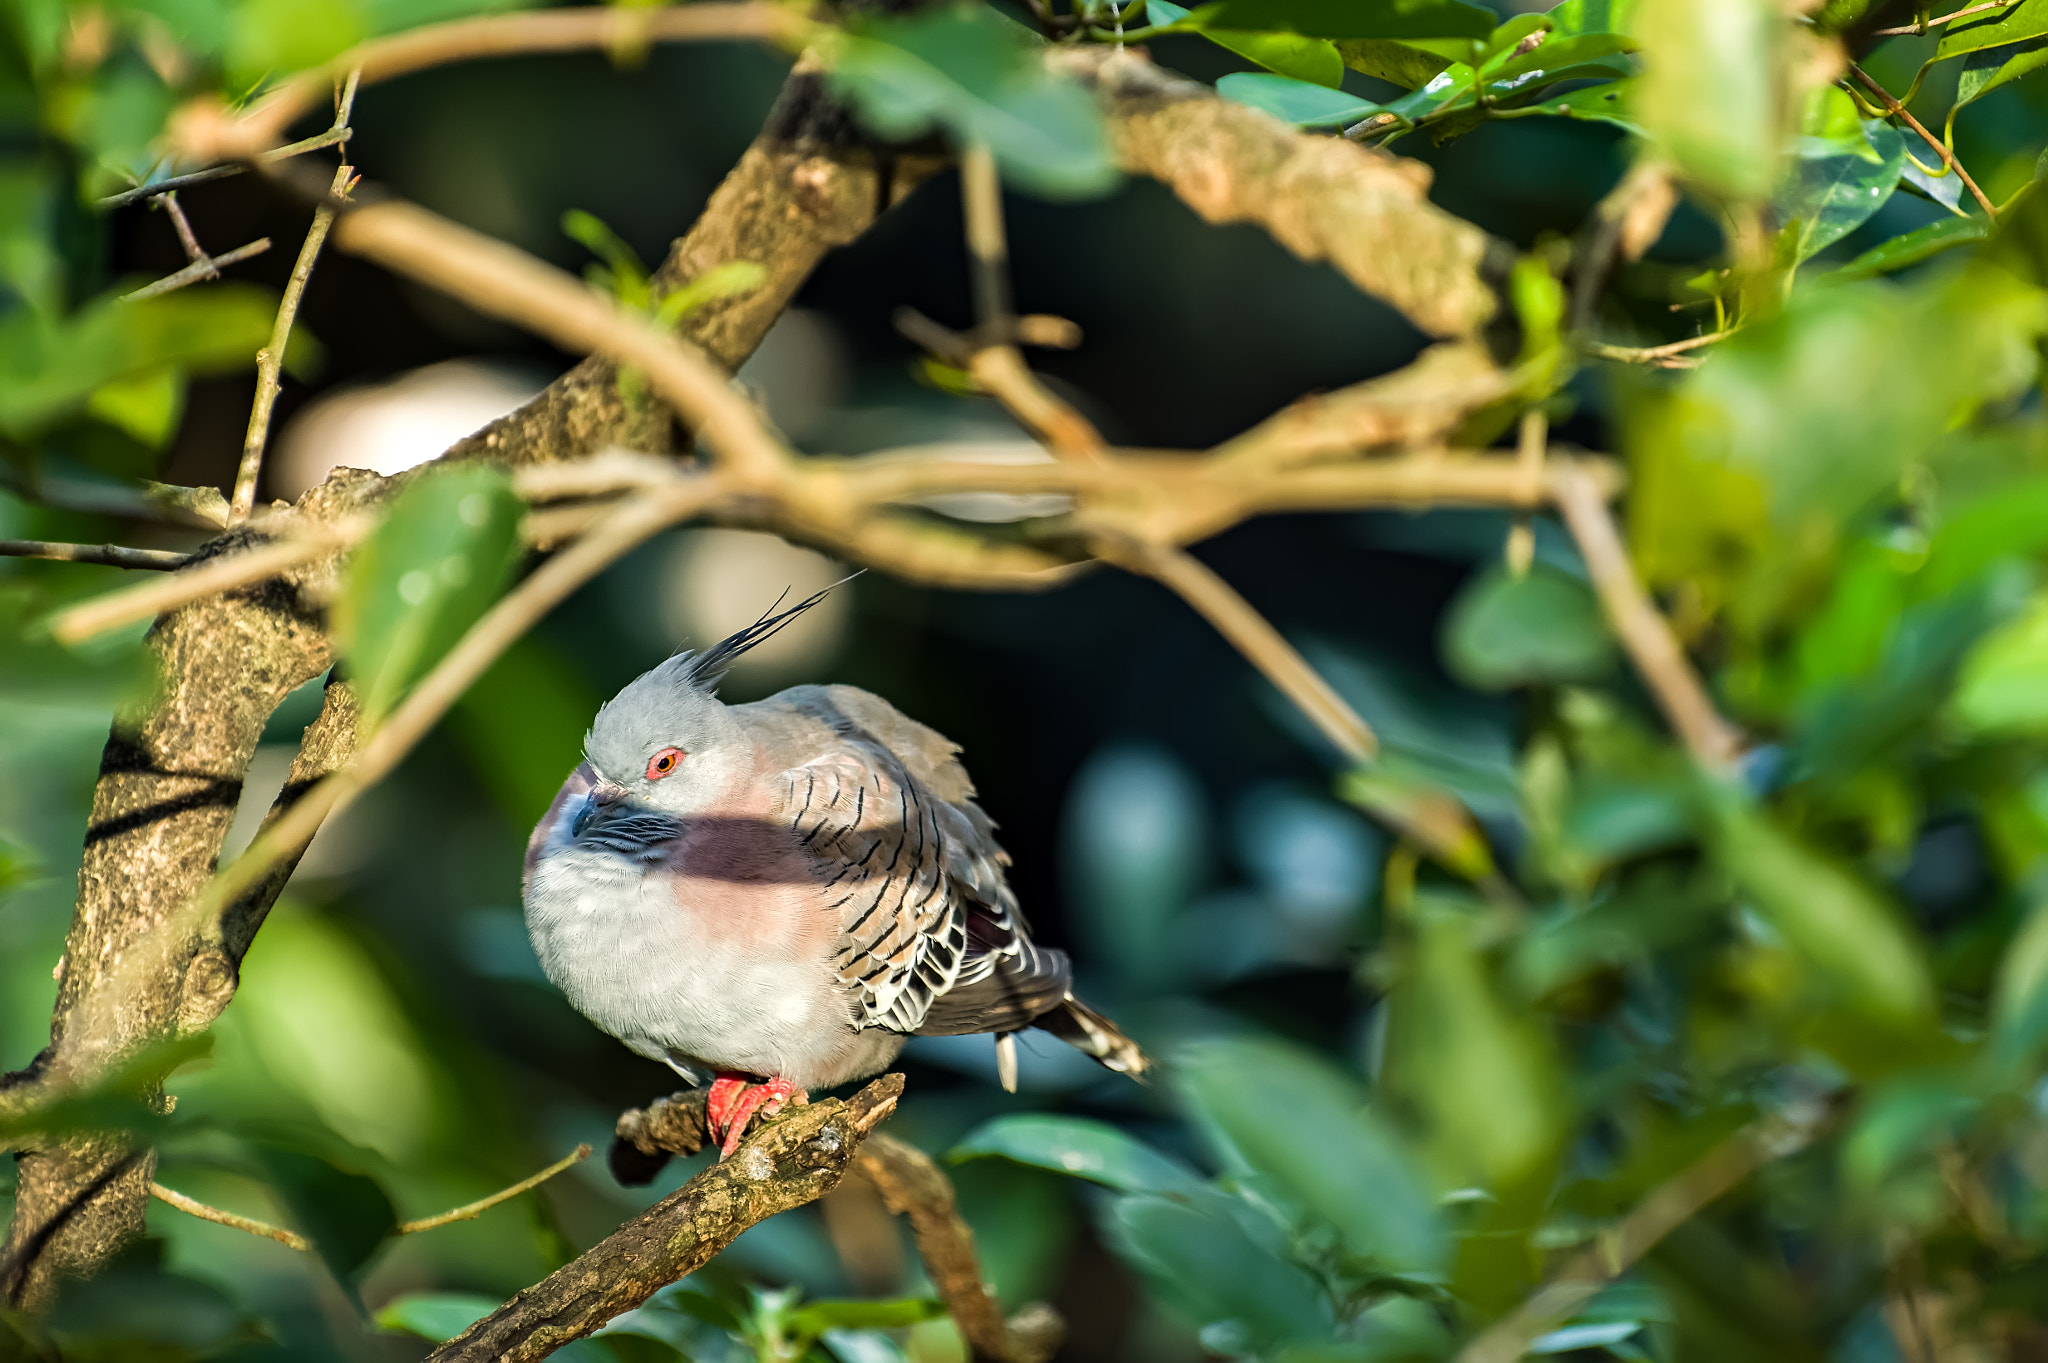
(1483,1074)
(1313,60)
(624,276)
(1352,18)
(2003,687)
(2019,1008)
(147,406)
(1857,941)
(1505,631)
(274,38)
(35,669)
(729,279)
(1416,808)
(445,551)
(532,691)
(438,1316)
(814,1318)
(978,75)
(1079,1146)
(1709,93)
(1592,16)
(1837,187)
(1910,248)
(1214,1275)
(345,1215)
(1330,1151)
(1900,1119)
(134,1312)
(1293,101)
(49,369)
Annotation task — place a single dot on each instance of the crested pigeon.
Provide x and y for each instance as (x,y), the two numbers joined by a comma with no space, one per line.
(774,896)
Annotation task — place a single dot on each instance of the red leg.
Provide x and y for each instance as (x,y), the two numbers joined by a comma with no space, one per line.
(733,1103)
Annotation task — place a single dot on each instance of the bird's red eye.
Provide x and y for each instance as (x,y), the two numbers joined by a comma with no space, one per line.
(664,762)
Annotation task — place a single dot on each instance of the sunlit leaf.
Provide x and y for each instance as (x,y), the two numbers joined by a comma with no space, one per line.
(1079,1146)
(1352,18)
(814,1318)
(1332,1152)
(1313,60)
(966,69)
(1708,95)
(1910,248)
(1994,28)
(1294,101)
(438,1316)
(444,552)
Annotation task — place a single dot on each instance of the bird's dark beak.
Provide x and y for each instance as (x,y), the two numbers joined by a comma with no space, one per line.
(601,797)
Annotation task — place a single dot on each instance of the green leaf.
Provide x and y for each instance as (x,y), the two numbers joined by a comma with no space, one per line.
(815,1318)
(727,280)
(1709,92)
(1505,631)
(1293,101)
(1408,65)
(976,74)
(274,38)
(1592,16)
(2019,1008)
(1079,1146)
(628,276)
(1209,1271)
(1351,18)
(438,1316)
(346,1215)
(1332,1153)
(1547,60)
(1482,1073)
(1986,70)
(1837,187)
(2003,686)
(443,554)
(1995,28)
(49,368)
(1314,60)
(35,669)
(1827,913)
(1606,103)
(1910,248)
(147,406)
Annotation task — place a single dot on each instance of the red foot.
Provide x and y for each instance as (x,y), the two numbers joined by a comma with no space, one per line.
(735,1100)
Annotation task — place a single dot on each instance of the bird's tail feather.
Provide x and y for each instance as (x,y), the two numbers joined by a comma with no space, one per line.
(1089,1032)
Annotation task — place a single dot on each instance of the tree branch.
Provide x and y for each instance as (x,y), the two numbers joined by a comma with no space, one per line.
(796,1158)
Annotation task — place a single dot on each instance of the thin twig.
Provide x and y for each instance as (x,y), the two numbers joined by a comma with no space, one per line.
(270,359)
(111,555)
(147,600)
(1520,550)
(204,133)
(1643,631)
(288,1238)
(1254,636)
(469,1211)
(170,186)
(1919,29)
(1654,354)
(912,1185)
(988,250)
(187,238)
(1667,1207)
(208,268)
(1940,147)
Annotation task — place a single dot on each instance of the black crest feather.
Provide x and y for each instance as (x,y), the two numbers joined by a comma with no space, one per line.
(703,670)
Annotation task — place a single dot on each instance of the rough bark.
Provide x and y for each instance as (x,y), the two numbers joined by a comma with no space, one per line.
(172,771)
(793,1160)
(1365,211)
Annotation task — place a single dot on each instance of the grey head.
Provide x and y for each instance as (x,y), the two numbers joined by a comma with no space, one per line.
(667,743)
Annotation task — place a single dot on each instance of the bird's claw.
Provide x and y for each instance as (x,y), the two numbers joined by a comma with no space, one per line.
(734,1101)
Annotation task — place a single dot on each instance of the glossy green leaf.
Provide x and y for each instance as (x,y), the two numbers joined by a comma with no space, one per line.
(443,554)
(1826,912)
(977,75)
(1995,28)
(1352,18)
(1986,70)
(1608,103)
(438,1316)
(1505,631)
(1333,1153)
(1214,1275)
(1078,1146)
(1708,95)
(1408,65)
(346,1215)
(1556,54)
(1293,101)
(1312,60)
(1837,187)
(1910,248)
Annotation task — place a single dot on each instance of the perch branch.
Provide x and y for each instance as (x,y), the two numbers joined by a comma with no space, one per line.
(112,555)
(788,1162)
(1668,1206)
(291,1239)
(1643,631)
(912,1185)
